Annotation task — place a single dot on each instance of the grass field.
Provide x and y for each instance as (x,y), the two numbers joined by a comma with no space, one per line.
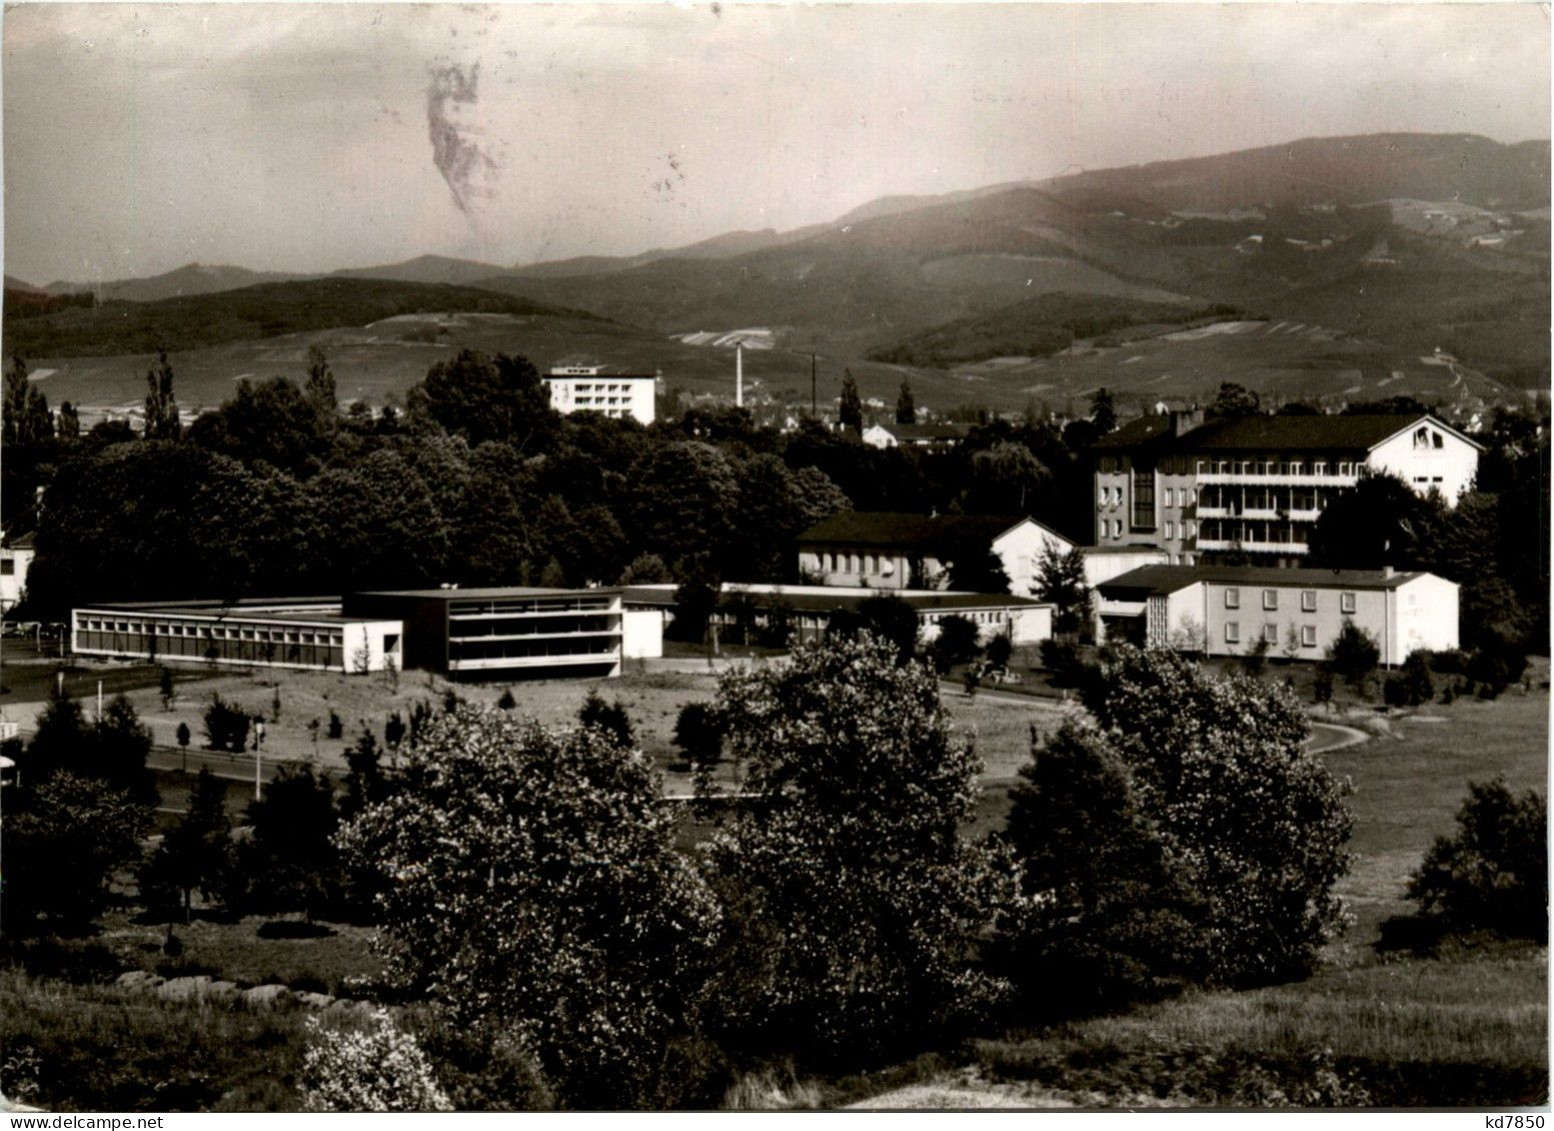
(1468,1026)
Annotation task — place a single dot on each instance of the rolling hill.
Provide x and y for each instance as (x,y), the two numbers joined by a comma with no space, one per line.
(191,279)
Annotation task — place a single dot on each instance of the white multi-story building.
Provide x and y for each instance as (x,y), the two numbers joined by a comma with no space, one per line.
(1296,613)
(589,388)
(15,560)
(1256,485)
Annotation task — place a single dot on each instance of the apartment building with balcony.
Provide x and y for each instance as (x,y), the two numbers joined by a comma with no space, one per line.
(1253,487)
(590,388)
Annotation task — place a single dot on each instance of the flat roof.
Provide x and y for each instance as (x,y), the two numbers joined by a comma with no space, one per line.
(1162,579)
(295,611)
(824,598)
(491,593)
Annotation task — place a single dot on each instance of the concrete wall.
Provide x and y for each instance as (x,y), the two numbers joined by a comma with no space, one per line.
(642,634)
(1426,616)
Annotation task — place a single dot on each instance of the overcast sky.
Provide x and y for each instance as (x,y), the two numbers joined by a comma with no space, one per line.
(311,137)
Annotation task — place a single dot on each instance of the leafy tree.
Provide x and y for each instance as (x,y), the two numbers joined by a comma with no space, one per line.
(161,408)
(1234,400)
(1060,581)
(272,421)
(1103,413)
(698,732)
(225,725)
(1493,872)
(68,424)
(853,896)
(1255,821)
(1256,660)
(27,422)
(906,407)
(646,569)
(1102,912)
(684,504)
(849,411)
(291,862)
(1005,479)
(999,650)
(1418,687)
(694,603)
(956,642)
(484,398)
(1353,655)
(532,886)
(886,616)
(378,1068)
(364,780)
(609,719)
(113,750)
(63,838)
(195,854)
(972,565)
(1381,522)
(320,390)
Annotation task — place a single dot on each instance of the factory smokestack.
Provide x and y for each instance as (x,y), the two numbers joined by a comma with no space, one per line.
(739,376)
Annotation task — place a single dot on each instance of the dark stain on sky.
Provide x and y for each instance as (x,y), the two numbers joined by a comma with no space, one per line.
(456,151)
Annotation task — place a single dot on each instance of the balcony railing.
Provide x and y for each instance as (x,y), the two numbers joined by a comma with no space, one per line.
(1329,479)
(1208,544)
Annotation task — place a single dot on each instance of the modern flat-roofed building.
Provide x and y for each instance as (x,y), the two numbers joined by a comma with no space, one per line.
(1225,610)
(807,610)
(590,388)
(511,632)
(1254,486)
(302,633)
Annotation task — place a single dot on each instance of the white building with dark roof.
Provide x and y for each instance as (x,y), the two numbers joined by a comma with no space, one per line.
(1226,611)
(592,388)
(1256,485)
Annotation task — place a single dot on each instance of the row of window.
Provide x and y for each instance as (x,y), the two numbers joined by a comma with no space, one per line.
(1274,467)
(1308,600)
(974,618)
(859,563)
(584,402)
(209,632)
(1308,634)
(601,388)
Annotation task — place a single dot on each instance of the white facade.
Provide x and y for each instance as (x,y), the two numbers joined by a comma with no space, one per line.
(586,388)
(1023,624)
(1020,548)
(1102,563)
(1428,456)
(14,564)
(642,634)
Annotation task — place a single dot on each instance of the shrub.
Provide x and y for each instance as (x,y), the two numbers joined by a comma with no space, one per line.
(226,726)
(852,899)
(610,718)
(379,1068)
(1065,662)
(1418,687)
(1256,821)
(1353,656)
(1101,913)
(698,732)
(531,885)
(1493,873)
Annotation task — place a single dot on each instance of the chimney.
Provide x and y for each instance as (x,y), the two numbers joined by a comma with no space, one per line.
(1387,572)
(739,376)
(1185,420)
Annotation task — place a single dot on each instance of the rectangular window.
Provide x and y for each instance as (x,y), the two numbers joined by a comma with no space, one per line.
(1232,598)
(1143,498)
(1345,469)
(1308,636)
(1271,633)
(1232,632)
(1346,602)
(7,567)
(1270,598)
(1308,600)
(1170,496)
(1170,531)
(1319,468)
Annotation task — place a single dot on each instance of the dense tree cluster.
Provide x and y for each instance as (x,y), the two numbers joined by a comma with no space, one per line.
(475,482)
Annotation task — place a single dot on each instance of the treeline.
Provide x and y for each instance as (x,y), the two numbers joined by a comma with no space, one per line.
(475,482)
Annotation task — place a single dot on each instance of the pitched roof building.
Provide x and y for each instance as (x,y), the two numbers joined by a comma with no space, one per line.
(1254,486)
(1295,613)
(890,550)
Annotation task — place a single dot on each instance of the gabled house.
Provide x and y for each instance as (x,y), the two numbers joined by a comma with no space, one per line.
(888,550)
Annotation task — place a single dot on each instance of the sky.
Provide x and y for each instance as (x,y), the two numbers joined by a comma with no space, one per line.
(311,137)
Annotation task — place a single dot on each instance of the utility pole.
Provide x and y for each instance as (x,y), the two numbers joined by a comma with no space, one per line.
(812,413)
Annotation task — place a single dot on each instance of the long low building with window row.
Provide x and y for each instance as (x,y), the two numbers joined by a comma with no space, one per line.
(308,633)
(461,633)
(1297,613)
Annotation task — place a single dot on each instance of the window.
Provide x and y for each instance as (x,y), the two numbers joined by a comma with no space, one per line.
(1170,529)
(1232,598)
(1319,468)
(1308,600)
(1232,632)
(1346,469)
(1437,442)
(1271,633)
(1308,636)
(1422,438)
(1170,493)
(1346,602)
(1143,498)
(7,566)
(1270,598)
(1102,499)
